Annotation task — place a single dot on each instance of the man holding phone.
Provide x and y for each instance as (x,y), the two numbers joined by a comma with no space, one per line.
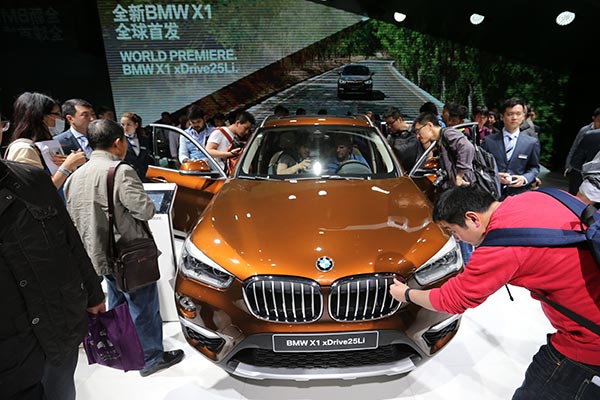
(517,156)
(220,141)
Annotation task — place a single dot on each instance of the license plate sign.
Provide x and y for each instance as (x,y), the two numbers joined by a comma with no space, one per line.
(326,342)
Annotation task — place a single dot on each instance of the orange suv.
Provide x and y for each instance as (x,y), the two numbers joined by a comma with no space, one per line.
(286,270)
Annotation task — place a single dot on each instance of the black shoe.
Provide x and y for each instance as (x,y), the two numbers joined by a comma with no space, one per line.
(169,358)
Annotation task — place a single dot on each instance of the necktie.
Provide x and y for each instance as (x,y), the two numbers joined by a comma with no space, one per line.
(132,143)
(85,146)
(509,145)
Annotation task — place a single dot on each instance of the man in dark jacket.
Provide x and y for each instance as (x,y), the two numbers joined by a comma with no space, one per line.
(404,143)
(46,284)
(517,155)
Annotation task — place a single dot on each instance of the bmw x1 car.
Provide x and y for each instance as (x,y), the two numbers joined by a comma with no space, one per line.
(287,264)
(355,79)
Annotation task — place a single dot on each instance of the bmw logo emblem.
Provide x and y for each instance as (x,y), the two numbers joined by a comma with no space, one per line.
(324,264)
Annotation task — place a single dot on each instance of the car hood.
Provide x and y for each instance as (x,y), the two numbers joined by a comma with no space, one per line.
(283,227)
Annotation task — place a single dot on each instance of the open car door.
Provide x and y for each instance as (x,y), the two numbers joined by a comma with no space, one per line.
(197,180)
(427,174)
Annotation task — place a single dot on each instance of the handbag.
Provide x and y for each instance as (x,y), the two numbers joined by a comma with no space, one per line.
(135,262)
(113,341)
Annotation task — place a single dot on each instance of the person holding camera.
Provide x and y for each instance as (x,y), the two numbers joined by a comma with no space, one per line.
(225,142)
(456,156)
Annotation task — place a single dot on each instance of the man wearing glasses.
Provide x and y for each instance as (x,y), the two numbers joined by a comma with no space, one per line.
(517,155)
(404,143)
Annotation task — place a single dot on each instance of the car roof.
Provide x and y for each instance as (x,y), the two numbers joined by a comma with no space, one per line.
(296,120)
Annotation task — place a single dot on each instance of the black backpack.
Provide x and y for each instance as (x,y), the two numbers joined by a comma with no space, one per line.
(484,167)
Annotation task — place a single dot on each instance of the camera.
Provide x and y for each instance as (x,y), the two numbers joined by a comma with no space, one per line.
(440,177)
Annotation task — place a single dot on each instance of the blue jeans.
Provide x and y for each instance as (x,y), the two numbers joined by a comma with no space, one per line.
(145,313)
(552,376)
(466,249)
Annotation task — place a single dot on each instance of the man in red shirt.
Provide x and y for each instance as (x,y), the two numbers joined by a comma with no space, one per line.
(569,365)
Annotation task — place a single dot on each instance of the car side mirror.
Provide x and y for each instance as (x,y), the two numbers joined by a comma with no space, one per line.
(197,168)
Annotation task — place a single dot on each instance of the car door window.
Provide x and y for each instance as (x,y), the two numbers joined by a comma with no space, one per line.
(167,141)
(197,180)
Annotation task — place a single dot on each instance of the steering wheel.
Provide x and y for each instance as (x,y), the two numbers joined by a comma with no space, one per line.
(352,167)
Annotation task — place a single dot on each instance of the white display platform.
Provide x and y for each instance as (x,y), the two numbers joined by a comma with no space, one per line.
(161,225)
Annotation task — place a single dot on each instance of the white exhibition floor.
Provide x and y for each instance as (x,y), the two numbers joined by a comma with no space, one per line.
(486,360)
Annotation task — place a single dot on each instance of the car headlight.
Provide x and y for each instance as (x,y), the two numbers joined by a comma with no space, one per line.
(446,261)
(341,81)
(196,265)
(368,81)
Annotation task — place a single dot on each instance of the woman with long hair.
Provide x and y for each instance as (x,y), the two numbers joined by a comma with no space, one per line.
(37,118)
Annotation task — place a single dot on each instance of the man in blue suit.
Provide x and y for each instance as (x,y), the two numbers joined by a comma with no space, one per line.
(517,155)
(79,113)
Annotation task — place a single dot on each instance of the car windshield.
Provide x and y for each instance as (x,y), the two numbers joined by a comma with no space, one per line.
(355,70)
(317,152)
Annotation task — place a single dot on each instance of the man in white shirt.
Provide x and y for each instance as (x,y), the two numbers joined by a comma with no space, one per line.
(222,138)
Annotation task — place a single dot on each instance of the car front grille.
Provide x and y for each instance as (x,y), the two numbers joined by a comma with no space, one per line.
(362,298)
(334,359)
(283,298)
(298,300)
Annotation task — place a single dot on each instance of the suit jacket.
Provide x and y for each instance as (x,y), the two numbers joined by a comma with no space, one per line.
(586,149)
(68,141)
(141,161)
(525,159)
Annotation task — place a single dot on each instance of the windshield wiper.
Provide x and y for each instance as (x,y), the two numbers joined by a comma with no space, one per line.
(345,178)
(255,177)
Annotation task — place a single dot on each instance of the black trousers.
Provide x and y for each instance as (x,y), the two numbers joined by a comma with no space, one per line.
(21,367)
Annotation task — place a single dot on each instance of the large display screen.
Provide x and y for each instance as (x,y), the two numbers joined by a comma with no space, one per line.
(256,55)
(163,56)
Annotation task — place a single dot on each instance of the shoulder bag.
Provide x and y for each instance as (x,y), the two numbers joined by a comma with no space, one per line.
(135,262)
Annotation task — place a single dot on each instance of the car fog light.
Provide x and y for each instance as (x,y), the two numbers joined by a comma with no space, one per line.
(187,307)
(187,304)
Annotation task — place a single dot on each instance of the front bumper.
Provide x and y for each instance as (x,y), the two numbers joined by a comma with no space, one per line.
(254,357)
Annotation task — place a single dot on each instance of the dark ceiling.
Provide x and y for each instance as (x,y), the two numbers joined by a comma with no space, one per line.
(523,30)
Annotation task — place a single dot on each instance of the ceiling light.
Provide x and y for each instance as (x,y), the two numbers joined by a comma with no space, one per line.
(565,18)
(476,19)
(399,17)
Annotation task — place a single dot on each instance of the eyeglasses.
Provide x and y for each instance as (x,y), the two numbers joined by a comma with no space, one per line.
(514,114)
(418,129)
(390,123)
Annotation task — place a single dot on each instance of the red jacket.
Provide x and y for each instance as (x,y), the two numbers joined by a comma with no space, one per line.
(565,275)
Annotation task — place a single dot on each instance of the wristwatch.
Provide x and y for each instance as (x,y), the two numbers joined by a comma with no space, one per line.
(407,296)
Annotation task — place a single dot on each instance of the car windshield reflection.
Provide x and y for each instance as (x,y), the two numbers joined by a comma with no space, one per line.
(317,152)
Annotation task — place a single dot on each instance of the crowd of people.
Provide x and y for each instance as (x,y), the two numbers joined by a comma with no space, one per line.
(48,166)
(53,258)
